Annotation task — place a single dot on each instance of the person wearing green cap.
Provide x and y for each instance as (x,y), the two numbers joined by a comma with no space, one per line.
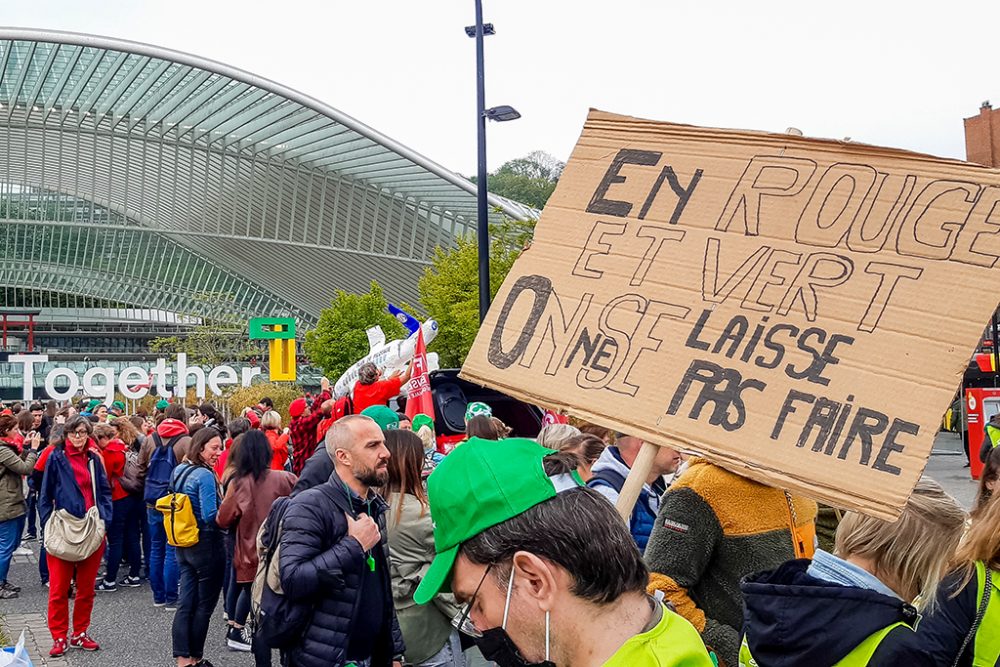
(546,570)
(117,409)
(386,418)
(477,409)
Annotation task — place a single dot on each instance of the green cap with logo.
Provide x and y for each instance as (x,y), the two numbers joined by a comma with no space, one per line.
(479,485)
(386,418)
(477,409)
(421,420)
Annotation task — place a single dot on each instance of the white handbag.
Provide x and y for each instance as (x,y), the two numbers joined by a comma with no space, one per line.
(71,538)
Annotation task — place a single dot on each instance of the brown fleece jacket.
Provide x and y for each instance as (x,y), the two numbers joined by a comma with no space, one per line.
(714,528)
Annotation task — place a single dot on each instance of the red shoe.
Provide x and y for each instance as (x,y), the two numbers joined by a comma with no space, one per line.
(59,647)
(83,640)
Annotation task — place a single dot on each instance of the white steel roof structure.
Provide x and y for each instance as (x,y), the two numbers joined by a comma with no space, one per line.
(141,178)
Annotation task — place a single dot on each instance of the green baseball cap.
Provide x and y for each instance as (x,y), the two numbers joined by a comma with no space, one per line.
(162,404)
(421,420)
(476,409)
(386,419)
(479,485)
(118,405)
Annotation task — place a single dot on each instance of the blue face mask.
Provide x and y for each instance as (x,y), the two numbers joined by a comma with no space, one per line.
(497,646)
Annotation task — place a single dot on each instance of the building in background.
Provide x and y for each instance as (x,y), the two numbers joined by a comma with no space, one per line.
(982,136)
(145,193)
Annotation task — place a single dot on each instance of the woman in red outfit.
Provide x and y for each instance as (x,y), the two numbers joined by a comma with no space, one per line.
(270,424)
(123,531)
(71,473)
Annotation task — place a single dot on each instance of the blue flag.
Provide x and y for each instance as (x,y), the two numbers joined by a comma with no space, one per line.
(409,321)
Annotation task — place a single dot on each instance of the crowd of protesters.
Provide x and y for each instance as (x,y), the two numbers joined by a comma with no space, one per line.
(353,539)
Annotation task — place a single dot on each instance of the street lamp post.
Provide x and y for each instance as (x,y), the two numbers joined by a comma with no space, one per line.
(501,113)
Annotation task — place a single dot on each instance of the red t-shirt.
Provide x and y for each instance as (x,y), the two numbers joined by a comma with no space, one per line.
(377,393)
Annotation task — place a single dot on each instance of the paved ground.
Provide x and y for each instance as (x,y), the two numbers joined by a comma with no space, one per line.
(132,632)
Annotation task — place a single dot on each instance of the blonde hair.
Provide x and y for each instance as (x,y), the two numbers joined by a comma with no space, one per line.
(553,435)
(426,435)
(982,542)
(908,554)
(271,419)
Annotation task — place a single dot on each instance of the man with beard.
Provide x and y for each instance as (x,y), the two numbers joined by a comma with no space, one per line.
(335,555)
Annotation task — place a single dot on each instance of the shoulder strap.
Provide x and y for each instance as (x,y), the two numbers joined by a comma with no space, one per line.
(181,479)
(609,477)
(93,477)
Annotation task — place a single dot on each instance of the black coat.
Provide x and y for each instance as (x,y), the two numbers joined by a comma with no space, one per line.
(793,619)
(942,632)
(321,564)
(316,471)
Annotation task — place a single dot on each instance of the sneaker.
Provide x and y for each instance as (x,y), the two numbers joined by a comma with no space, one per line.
(106,587)
(7,594)
(7,586)
(131,582)
(23,551)
(83,641)
(171,606)
(237,639)
(59,647)
(158,604)
(203,663)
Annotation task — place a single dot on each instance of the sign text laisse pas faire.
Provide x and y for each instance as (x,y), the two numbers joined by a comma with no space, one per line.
(799,310)
(133,382)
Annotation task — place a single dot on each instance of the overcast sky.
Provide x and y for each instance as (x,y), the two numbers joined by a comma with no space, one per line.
(901,74)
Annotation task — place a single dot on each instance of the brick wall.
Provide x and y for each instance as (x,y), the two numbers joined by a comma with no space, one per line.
(982,136)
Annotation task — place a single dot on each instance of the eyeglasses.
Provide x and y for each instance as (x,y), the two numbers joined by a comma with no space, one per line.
(461,621)
(80,432)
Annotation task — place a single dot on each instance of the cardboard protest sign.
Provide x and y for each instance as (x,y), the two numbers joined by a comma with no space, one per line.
(799,310)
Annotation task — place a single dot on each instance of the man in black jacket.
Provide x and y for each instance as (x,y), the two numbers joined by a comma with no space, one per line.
(335,555)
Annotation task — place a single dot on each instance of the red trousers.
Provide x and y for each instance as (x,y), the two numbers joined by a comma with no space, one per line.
(61,574)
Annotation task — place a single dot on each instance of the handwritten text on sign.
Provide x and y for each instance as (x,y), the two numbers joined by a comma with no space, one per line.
(787,306)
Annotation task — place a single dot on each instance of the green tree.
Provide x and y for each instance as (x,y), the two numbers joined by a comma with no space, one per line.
(449,288)
(529,180)
(339,338)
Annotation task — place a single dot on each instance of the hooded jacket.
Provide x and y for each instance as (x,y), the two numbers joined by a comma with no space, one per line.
(607,471)
(792,619)
(168,428)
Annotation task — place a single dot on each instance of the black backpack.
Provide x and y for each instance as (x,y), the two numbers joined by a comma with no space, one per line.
(278,621)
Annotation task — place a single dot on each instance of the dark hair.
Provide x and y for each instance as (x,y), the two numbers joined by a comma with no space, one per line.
(483,427)
(208,409)
(175,411)
(406,463)
(78,420)
(50,408)
(197,446)
(17,407)
(266,401)
(587,447)
(139,423)
(599,431)
(578,530)
(239,426)
(25,420)
(990,473)
(253,456)
(36,407)
(7,423)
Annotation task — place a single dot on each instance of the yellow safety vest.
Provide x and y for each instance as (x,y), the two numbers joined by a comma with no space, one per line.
(986,649)
(859,657)
(993,433)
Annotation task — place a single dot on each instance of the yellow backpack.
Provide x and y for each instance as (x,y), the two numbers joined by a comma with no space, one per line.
(178,516)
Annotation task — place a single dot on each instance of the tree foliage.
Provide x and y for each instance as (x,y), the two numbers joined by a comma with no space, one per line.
(449,288)
(529,180)
(213,341)
(339,338)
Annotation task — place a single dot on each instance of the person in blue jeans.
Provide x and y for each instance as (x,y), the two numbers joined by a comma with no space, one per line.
(201,565)
(163,573)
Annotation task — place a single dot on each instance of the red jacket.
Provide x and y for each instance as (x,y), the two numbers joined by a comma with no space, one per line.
(303,433)
(114,462)
(279,449)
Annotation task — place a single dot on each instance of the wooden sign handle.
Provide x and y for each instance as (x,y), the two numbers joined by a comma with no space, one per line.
(636,478)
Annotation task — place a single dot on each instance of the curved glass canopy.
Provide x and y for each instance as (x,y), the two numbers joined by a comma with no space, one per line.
(141,178)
